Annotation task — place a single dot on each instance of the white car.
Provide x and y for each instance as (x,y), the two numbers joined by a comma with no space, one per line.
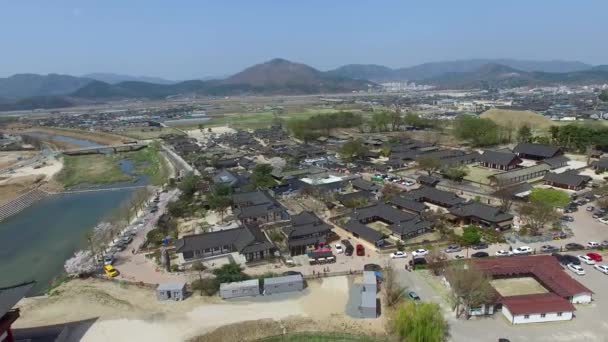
(408,183)
(522,250)
(576,269)
(587,260)
(398,254)
(604,220)
(593,244)
(339,249)
(503,253)
(420,252)
(602,268)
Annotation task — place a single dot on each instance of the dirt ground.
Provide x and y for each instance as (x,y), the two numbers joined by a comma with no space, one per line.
(138,316)
(8,159)
(518,286)
(98,137)
(15,186)
(204,135)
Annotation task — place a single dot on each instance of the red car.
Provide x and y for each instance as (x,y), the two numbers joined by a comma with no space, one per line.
(595,256)
(360,250)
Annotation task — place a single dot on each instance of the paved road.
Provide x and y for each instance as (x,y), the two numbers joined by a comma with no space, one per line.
(136,267)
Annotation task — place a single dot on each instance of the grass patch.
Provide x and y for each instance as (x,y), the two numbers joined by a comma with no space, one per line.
(321,337)
(91,169)
(149,162)
(144,133)
(480,174)
(517,118)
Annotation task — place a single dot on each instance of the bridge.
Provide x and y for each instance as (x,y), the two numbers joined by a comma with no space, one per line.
(105,149)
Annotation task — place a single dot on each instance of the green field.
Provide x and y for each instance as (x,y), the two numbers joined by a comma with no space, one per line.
(257,119)
(104,169)
(149,162)
(480,174)
(91,169)
(322,337)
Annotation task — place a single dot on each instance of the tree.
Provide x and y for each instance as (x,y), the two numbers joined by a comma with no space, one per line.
(380,121)
(390,190)
(220,200)
(551,197)
(229,273)
(604,95)
(505,197)
(477,131)
(420,322)
(261,177)
(470,287)
(206,286)
(436,261)
(352,150)
(81,264)
(188,185)
(471,236)
(538,215)
(456,172)
(524,134)
(393,292)
(429,164)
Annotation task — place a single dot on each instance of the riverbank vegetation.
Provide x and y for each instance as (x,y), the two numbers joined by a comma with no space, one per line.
(91,169)
(150,163)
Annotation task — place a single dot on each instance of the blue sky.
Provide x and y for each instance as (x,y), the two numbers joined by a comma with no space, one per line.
(196,38)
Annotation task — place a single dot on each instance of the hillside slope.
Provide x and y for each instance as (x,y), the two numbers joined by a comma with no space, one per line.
(516,118)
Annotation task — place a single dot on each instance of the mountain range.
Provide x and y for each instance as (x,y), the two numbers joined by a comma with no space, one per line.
(279,76)
(379,73)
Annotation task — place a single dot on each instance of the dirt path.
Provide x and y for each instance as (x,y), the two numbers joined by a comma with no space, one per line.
(138,316)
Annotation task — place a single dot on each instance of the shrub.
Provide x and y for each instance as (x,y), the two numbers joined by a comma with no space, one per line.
(206,286)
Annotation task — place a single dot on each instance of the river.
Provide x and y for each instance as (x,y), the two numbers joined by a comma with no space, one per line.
(37,241)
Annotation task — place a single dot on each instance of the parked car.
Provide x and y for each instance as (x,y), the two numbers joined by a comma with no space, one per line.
(398,254)
(360,250)
(453,249)
(521,250)
(593,244)
(567,218)
(348,247)
(339,249)
(127,239)
(586,259)
(480,255)
(590,208)
(409,183)
(595,256)
(601,268)
(110,271)
(108,259)
(420,252)
(481,245)
(417,261)
(597,215)
(576,269)
(549,249)
(572,246)
(413,295)
(503,253)
(566,259)
(604,243)
(603,220)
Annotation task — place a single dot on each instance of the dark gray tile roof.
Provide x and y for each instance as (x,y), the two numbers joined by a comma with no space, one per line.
(363,231)
(499,158)
(244,239)
(345,198)
(539,150)
(557,162)
(225,177)
(398,221)
(567,178)
(305,230)
(11,295)
(513,175)
(602,163)
(428,180)
(304,218)
(481,211)
(362,184)
(407,204)
(428,194)
(251,198)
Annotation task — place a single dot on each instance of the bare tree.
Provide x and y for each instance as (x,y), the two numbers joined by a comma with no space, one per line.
(538,215)
(436,261)
(393,292)
(504,196)
(470,287)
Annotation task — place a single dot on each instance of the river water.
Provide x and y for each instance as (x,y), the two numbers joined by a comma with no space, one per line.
(37,241)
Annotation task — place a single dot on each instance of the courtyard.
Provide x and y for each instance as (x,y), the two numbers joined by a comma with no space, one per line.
(517,286)
(479,174)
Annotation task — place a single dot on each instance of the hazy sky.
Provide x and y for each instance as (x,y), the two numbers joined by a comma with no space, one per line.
(196,38)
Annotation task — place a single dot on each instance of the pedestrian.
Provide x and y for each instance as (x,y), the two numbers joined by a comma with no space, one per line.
(133,251)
